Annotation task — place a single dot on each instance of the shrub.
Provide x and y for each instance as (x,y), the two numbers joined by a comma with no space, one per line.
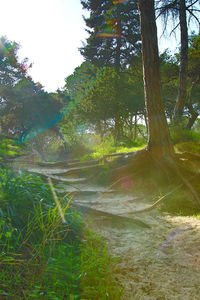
(185,136)
(19,193)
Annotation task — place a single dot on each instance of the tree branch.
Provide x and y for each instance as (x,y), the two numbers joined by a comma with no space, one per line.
(194,16)
(174,28)
(192,4)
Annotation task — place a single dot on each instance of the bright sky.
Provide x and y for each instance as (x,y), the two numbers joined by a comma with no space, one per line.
(50,33)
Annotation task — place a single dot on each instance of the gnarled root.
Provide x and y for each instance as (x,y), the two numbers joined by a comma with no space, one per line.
(167,168)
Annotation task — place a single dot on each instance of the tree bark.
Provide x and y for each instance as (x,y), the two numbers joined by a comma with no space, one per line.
(99,129)
(193,113)
(118,131)
(135,127)
(131,126)
(182,86)
(159,142)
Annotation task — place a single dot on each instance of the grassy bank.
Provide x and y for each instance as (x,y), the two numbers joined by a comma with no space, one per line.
(40,256)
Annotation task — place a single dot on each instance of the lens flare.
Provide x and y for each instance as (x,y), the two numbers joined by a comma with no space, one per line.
(126,183)
(119,1)
(6,49)
(111,29)
(26,66)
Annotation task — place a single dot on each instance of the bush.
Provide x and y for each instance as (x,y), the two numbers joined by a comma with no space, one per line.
(8,148)
(106,147)
(185,136)
(19,193)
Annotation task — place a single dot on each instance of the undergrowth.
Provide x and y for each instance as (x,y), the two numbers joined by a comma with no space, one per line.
(108,147)
(40,256)
(188,147)
(180,203)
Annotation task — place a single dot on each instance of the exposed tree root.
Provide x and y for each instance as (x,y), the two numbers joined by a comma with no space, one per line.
(113,217)
(167,168)
(188,156)
(158,201)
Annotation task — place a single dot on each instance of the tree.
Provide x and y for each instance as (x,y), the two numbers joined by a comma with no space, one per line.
(182,87)
(179,9)
(160,156)
(11,71)
(159,142)
(107,98)
(193,103)
(114,41)
(114,32)
(25,109)
(169,70)
(29,111)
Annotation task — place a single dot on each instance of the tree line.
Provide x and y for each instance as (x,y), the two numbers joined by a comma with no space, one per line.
(106,93)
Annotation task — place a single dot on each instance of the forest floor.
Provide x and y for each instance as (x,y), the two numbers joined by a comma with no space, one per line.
(159,262)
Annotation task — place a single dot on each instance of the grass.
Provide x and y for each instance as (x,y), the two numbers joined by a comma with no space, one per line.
(180,203)
(42,258)
(188,147)
(106,148)
(97,264)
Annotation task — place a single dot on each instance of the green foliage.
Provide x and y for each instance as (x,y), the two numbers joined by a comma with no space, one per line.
(16,195)
(105,22)
(11,70)
(8,148)
(104,100)
(169,70)
(196,126)
(98,268)
(180,136)
(106,147)
(130,142)
(26,109)
(194,54)
(42,258)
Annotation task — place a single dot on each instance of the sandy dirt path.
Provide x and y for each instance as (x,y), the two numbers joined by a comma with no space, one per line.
(160,262)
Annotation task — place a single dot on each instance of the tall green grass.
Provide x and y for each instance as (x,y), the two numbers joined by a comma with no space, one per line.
(42,258)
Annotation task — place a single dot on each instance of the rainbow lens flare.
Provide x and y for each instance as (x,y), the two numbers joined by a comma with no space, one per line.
(111,29)
(119,1)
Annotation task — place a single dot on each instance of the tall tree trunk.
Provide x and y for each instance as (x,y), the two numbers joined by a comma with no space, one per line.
(145,120)
(118,133)
(193,113)
(159,142)
(99,129)
(56,129)
(131,126)
(182,86)
(135,127)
